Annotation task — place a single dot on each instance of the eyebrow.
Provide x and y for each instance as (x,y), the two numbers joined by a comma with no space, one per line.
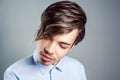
(65,43)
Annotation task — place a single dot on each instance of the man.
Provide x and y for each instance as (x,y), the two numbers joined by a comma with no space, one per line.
(62,27)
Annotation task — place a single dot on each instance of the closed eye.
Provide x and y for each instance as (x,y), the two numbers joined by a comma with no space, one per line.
(64,45)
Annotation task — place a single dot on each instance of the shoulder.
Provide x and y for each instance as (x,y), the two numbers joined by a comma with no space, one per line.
(20,65)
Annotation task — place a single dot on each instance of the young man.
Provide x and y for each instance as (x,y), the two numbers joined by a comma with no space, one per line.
(62,27)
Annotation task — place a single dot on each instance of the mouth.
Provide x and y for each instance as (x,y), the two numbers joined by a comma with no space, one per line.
(45,58)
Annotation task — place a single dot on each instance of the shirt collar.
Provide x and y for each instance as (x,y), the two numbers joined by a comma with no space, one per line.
(44,69)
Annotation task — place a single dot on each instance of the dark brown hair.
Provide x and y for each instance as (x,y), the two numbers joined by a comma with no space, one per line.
(60,18)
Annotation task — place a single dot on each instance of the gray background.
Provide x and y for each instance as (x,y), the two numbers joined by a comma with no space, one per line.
(99,51)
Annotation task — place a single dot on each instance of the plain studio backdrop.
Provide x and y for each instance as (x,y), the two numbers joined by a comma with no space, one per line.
(99,51)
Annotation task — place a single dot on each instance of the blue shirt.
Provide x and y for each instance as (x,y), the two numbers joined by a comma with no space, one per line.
(30,68)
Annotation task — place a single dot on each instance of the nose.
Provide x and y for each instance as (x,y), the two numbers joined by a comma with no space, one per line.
(50,49)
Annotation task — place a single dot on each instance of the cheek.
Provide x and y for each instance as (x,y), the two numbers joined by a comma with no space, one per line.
(40,45)
(61,53)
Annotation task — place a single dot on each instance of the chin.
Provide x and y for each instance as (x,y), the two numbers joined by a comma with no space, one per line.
(46,64)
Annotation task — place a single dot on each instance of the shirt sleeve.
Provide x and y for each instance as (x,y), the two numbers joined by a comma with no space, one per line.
(8,75)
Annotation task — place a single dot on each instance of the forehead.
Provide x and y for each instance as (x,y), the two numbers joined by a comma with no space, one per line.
(68,38)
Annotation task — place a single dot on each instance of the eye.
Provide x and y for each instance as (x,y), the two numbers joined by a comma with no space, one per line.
(64,46)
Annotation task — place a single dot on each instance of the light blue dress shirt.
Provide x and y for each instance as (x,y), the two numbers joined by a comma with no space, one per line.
(30,68)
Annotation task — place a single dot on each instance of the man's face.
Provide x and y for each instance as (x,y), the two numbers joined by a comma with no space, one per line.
(51,50)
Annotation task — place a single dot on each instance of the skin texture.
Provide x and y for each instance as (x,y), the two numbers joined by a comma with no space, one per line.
(51,50)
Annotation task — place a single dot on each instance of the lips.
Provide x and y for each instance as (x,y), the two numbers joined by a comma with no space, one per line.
(45,58)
